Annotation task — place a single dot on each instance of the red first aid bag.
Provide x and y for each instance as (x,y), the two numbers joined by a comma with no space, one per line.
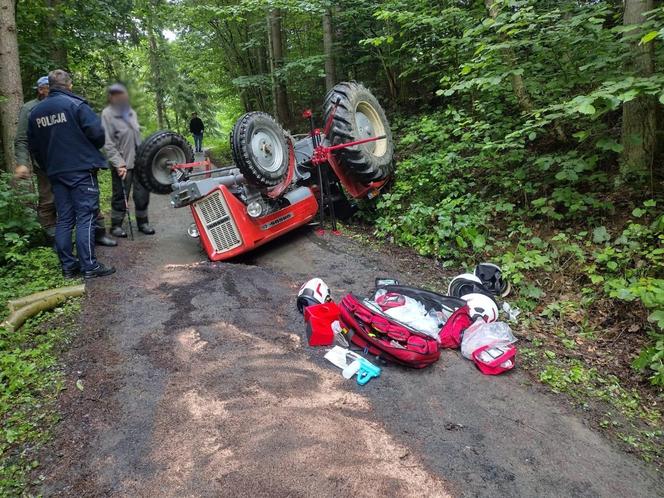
(381,336)
(495,359)
(450,334)
(370,328)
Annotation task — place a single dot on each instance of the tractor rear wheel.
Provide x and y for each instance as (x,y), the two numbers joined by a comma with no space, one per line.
(156,155)
(259,149)
(359,116)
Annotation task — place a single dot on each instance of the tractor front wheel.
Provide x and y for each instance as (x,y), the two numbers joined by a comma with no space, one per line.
(155,157)
(357,116)
(259,149)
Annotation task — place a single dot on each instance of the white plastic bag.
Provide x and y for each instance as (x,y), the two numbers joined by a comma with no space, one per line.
(481,334)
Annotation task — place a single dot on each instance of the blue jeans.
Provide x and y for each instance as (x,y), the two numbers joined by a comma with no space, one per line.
(198,142)
(76,202)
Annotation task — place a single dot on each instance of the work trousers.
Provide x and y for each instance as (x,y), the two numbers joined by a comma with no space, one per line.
(139,193)
(76,196)
(46,204)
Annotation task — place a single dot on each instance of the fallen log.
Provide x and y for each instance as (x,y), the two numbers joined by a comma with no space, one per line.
(71,291)
(28,306)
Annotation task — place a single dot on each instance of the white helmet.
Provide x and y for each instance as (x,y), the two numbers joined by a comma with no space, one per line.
(315,291)
(463,284)
(481,306)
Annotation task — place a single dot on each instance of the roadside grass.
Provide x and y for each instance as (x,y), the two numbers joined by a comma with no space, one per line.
(30,380)
(105,191)
(30,377)
(621,411)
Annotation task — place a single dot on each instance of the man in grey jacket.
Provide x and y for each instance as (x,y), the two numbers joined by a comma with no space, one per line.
(123,135)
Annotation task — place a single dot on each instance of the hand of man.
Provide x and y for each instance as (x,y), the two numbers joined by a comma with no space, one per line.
(22,172)
(122,172)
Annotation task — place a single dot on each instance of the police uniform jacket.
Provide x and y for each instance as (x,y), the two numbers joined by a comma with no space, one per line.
(65,135)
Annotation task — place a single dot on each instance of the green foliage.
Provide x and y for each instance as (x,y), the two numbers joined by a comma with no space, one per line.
(29,377)
(18,222)
(29,384)
(576,379)
(36,270)
(651,358)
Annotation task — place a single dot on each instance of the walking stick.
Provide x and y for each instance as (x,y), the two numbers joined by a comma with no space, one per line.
(126,199)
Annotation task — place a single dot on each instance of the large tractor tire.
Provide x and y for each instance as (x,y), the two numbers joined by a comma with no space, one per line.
(358,116)
(156,155)
(260,149)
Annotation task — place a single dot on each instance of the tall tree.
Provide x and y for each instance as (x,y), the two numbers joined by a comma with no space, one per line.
(59,54)
(328,49)
(157,79)
(11,94)
(518,86)
(279,94)
(639,114)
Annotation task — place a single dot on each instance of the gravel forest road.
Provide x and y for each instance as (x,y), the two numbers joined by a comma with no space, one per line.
(198,382)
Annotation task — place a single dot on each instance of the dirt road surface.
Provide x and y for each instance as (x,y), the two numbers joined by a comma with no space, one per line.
(198,382)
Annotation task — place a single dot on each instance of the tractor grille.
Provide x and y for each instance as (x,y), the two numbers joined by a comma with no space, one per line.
(220,227)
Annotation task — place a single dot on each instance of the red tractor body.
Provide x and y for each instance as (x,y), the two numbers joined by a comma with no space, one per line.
(226,230)
(277,182)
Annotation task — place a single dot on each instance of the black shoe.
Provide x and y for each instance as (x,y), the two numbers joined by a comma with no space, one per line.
(100,271)
(146,229)
(118,231)
(105,240)
(70,274)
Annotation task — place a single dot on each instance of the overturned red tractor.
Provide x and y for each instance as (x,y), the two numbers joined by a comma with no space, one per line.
(278,182)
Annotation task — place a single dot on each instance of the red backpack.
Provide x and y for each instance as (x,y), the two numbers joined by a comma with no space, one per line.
(451,333)
(383,336)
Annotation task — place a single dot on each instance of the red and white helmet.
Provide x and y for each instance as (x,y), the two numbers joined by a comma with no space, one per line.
(481,306)
(315,291)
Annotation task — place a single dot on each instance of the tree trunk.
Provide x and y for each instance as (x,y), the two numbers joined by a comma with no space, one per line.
(280,96)
(58,52)
(155,66)
(11,93)
(328,50)
(639,115)
(518,86)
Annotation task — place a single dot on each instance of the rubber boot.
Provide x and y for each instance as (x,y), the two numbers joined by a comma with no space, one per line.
(101,239)
(144,226)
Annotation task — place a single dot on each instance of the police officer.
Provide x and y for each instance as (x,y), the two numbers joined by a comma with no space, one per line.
(64,136)
(123,135)
(46,206)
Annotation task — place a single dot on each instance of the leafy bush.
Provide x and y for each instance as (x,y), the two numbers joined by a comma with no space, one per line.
(18,221)
(651,360)
(629,268)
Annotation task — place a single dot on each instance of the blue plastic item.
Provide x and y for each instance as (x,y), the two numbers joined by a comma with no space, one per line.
(367,371)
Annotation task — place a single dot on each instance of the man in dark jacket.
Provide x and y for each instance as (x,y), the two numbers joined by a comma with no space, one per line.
(196,128)
(46,205)
(64,136)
